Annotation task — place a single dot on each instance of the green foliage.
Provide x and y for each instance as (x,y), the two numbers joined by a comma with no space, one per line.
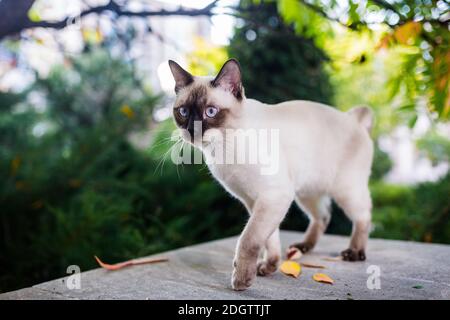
(79,188)
(381,164)
(277,64)
(420,213)
(206,59)
(305,20)
(435,146)
(415,31)
(74,186)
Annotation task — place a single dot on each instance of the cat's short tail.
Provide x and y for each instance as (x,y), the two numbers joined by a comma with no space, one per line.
(364,115)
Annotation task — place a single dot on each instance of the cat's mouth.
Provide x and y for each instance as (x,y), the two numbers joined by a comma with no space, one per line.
(202,140)
(194,138)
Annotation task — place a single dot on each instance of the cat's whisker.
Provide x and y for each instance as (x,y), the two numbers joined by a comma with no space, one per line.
(163,141)
(164,157)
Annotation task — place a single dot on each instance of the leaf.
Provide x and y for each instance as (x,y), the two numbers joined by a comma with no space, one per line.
(291,268)
(128,263)
(407,107)
(384,42)
(338,258)
(311,265)
(405,32)
(322,277)
(412,121)
(127,111)
(34,15)
(92,35)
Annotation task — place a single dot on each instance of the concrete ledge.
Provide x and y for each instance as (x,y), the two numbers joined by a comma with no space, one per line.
(203,272)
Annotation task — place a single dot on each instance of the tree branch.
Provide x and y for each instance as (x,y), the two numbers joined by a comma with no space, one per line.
(25,23)
(14,13)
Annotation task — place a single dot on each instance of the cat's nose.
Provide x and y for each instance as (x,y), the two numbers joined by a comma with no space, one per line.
(195,127)
(196,130)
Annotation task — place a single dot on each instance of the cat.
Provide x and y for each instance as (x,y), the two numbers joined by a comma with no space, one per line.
(322,154)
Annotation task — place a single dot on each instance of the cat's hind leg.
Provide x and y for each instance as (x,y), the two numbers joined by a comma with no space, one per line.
(357,204)
(318,211)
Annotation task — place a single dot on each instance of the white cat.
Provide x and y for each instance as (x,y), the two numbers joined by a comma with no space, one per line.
(322,154)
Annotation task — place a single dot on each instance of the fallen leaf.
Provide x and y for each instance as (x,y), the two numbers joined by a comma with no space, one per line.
(133,262)
(322,277)
(293,254)
(338,258)
(291,268)
(311,265)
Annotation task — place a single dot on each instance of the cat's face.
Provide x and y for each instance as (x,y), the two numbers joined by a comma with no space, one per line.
(205,103)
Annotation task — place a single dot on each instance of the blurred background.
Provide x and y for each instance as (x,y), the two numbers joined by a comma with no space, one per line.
(85,118)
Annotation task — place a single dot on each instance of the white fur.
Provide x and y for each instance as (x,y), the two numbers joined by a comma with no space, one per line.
(318,146)
(323,153)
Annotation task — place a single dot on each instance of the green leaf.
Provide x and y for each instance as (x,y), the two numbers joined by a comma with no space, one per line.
(289,9)
(412,121)
(407,107)
(354,16)
(33,15)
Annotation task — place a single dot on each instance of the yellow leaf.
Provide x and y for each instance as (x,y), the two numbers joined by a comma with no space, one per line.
(126,110)
(98,35)
(322,277)
(92,35)
(407,31)
(291,268)
(384,42)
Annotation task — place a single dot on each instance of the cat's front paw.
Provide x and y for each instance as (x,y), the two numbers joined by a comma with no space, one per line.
(266,267)
(242,277)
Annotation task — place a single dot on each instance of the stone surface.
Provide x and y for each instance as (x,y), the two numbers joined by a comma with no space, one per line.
(203,272)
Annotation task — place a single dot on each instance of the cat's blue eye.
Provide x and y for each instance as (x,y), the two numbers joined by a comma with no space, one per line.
(183,111)
(211,112)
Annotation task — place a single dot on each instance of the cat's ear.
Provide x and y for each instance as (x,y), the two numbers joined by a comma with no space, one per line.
(181,76)
(229,78)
